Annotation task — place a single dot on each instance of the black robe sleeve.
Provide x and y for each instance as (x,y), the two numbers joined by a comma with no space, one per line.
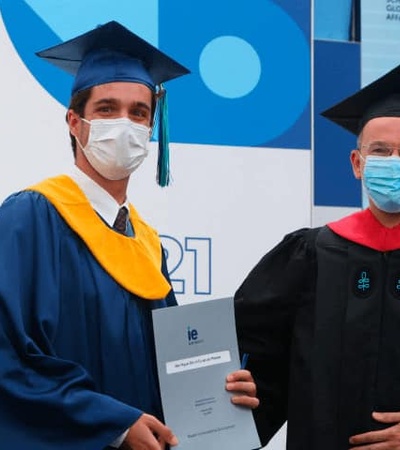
(266,305)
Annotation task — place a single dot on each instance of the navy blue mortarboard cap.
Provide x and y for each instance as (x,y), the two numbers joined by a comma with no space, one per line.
(111,53)
(381,98)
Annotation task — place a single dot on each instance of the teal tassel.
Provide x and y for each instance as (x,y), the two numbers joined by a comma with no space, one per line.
(163,169)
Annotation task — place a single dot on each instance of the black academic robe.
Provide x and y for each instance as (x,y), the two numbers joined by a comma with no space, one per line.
(320,317)
(77,357)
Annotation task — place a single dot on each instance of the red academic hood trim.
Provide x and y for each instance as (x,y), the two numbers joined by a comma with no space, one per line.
(363,228)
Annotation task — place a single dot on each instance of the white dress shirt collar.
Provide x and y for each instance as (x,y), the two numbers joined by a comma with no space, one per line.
(102,202)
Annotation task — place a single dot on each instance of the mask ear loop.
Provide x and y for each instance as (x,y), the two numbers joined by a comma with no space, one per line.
(76,137)
(364,190)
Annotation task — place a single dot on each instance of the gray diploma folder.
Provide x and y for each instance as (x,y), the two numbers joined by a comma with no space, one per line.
(196,347)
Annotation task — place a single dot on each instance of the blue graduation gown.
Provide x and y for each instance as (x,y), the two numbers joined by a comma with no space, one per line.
(77,358)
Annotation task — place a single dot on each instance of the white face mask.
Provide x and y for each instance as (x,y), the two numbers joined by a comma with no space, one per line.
(116,147)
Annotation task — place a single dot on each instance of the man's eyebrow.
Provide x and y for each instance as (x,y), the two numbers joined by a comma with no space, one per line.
(141,105)
(378,142)
(106,101)
(113,101)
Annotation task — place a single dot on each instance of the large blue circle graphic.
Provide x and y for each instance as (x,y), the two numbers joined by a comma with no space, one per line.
(230,67)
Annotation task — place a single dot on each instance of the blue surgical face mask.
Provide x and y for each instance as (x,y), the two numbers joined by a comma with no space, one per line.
(381,179)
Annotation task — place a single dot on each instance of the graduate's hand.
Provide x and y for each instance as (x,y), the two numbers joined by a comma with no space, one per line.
(148,433)
(244,390)
(387,439)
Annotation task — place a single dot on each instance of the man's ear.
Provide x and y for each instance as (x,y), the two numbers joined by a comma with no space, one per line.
(73,120)
(356,163)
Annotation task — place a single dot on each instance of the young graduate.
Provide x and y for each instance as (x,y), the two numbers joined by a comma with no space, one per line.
(319,315)
(78,282)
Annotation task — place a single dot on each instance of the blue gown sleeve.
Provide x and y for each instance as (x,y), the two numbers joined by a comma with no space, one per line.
(266,305)
(46,402)
(170,299)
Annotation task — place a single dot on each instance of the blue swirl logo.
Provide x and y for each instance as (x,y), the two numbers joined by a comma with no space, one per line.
(250,81)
